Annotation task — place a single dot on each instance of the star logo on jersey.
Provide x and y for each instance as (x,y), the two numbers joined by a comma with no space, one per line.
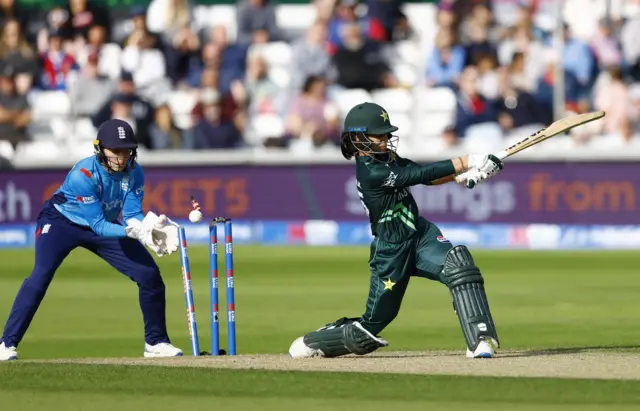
(388,285)
(385,116)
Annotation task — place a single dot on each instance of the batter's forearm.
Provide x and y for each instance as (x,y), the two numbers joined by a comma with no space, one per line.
(461,164)
(443,180)
(438,170)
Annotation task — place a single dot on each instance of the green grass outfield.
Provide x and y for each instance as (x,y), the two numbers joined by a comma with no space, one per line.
(540,301)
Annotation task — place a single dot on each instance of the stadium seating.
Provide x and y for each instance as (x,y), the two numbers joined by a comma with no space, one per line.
(421,113)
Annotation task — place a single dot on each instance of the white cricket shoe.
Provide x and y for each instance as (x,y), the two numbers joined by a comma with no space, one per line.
(8,353)
(161,350)
(299,349)
(485,349)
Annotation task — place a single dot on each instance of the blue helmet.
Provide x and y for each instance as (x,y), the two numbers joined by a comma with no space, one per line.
(115,134)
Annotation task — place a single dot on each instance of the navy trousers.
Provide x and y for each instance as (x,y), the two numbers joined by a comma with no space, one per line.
(56,237)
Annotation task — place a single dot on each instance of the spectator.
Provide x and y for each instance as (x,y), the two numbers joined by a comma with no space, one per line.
(345,16)
(231,103)
(210,60)
(390,15)
(525,20)
(521,41)
(310,57)
(17,53)
(359,63)
(579,62)
(138,16)
(324,10)
(96,40)
(147,65)
(446,18)
(479,26)
(264,96)
(629,35)
(311,116)
(57,64)
(488,78)
(446,61)
(212,127)
(613,98)
(508,13)
(89,93)
(9,9)
(57,19)
(544,87)
(84,14)
(143,114)
(15,115)
(472,108)
(179,54)
(516,76)
(461,9)
(606,47)
(256,20)
(172,20)
(519,110)
(167,18)
(230,60)
(478,44)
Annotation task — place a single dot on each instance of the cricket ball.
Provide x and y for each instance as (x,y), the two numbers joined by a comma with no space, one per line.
(195,216)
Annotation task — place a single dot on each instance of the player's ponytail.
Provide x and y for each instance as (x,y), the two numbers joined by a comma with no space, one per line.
(346,145)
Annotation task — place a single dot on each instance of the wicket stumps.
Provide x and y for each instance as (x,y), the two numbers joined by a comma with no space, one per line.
(188,292)
(214,285)
(231,313)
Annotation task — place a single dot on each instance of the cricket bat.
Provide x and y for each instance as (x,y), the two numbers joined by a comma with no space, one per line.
(557,127)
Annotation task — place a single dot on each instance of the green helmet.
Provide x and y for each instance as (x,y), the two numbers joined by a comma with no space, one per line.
(363,120)
(369,118)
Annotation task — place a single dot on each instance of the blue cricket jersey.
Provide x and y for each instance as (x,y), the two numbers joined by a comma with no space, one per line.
(92,197)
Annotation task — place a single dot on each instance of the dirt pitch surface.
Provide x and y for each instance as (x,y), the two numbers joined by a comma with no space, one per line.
(577,364)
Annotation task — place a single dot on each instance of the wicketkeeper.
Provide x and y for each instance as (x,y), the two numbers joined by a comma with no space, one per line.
(84,212)
(405,244)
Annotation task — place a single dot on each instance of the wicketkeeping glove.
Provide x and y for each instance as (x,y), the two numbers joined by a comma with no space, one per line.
(137,230)
(164,232)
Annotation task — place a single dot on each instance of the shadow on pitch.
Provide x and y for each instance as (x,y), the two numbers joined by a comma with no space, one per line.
(570,350)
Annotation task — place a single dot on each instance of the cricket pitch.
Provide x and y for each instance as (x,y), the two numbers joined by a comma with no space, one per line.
(550,364)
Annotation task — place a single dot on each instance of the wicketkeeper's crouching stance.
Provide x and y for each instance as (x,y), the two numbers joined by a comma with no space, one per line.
(84,212)
(404,244)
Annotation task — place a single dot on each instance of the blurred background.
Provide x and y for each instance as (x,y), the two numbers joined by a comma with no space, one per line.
(241,103)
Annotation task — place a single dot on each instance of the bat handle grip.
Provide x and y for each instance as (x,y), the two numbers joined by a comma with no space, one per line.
(469,183)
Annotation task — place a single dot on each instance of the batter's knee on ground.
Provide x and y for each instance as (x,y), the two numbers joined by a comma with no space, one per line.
(466,285)
(345,336)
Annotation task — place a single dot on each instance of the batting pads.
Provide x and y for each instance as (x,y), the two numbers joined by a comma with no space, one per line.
(466,284)
(345,336)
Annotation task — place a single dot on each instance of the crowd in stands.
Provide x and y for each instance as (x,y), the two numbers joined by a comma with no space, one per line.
(251,81)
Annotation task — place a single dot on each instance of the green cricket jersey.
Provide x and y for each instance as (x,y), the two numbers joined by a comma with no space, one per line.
(384,192)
